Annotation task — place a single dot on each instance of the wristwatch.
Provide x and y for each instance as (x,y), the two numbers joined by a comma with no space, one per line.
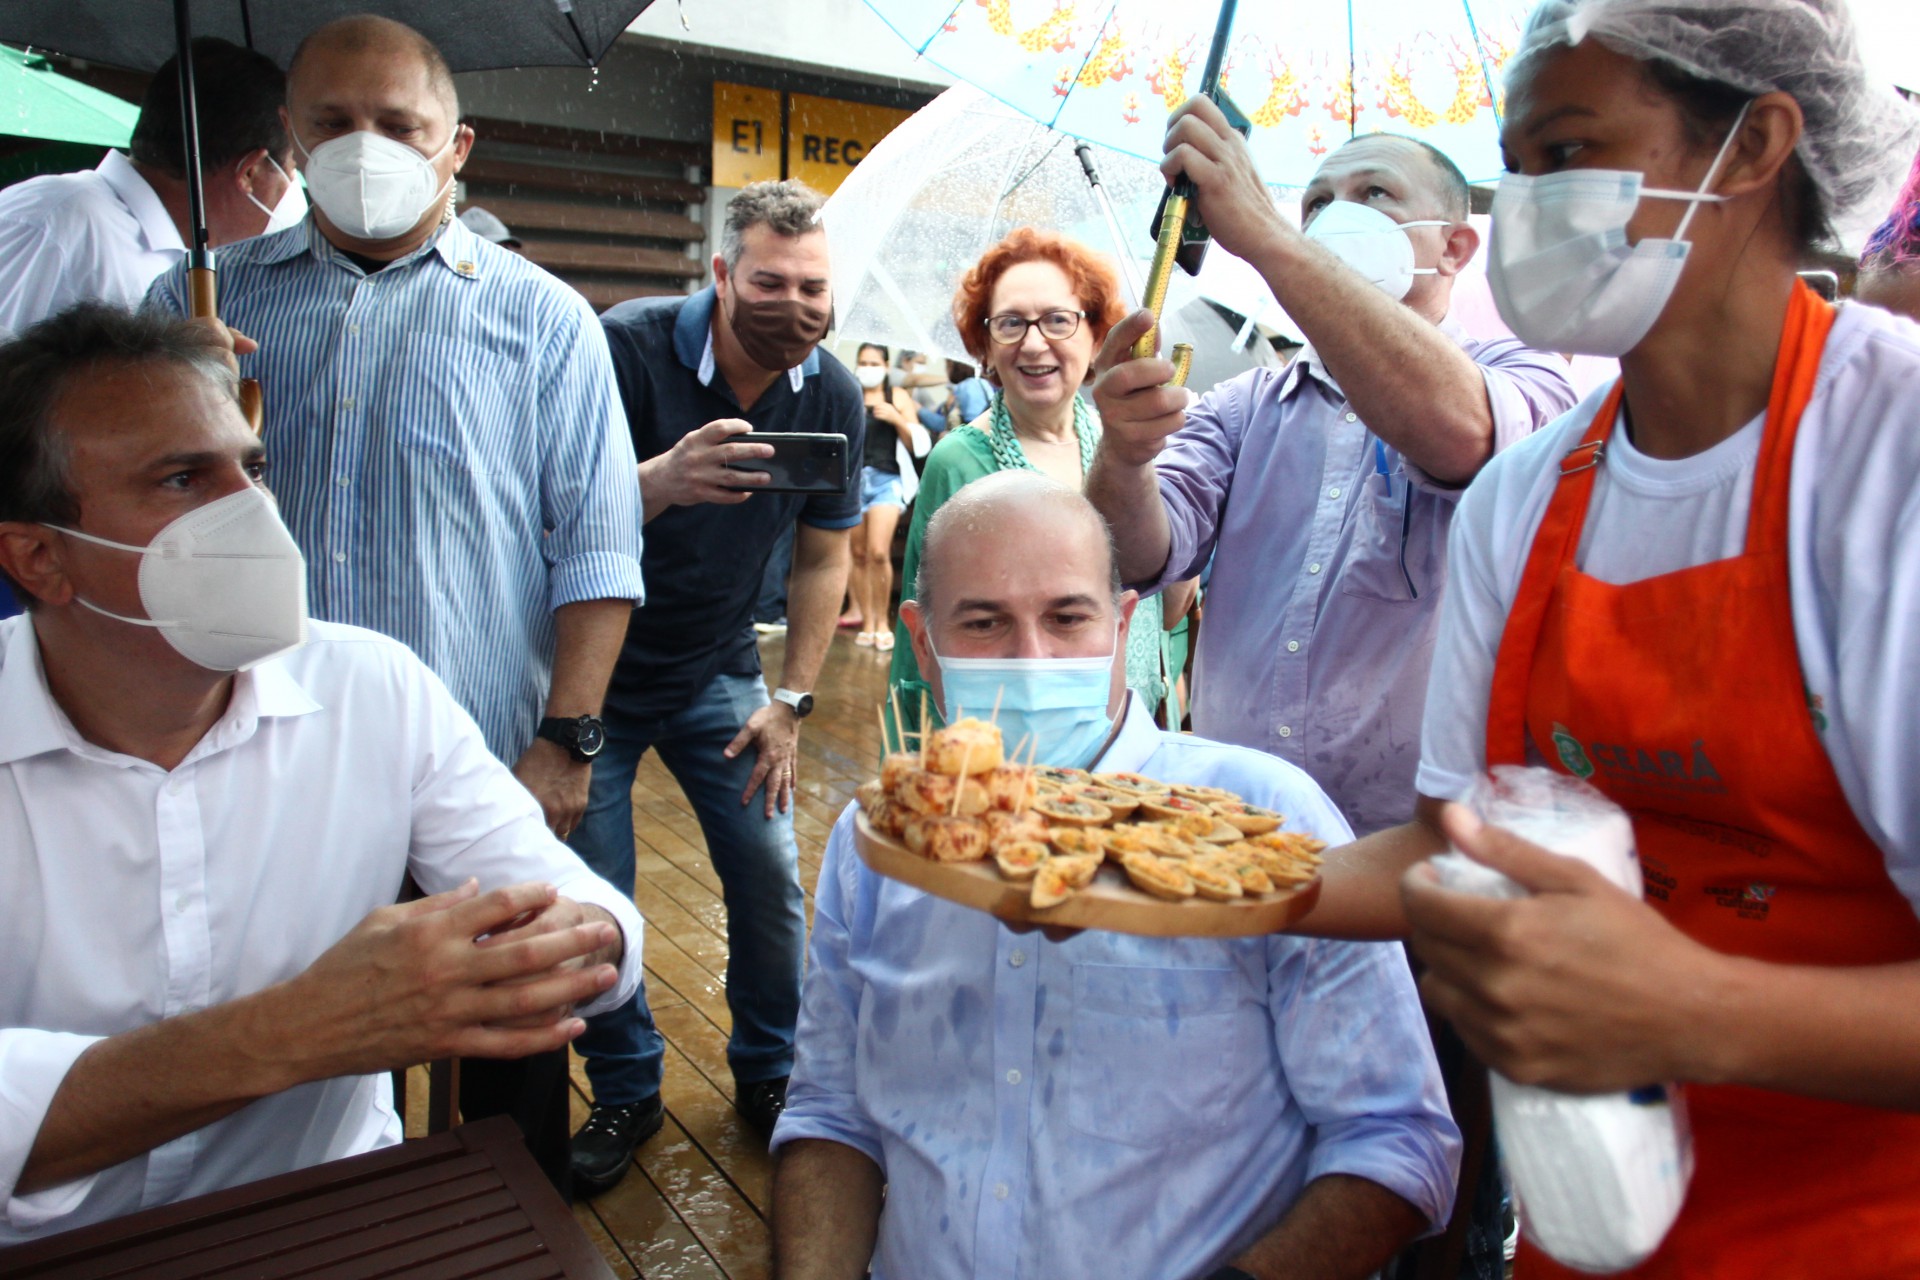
(584,737)
(802,703)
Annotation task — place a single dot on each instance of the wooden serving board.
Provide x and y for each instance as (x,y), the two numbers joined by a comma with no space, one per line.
(1110,902)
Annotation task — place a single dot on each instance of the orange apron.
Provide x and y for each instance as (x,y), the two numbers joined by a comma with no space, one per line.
(1681,697)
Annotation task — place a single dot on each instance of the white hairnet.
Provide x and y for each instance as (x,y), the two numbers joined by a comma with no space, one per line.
(1860,136)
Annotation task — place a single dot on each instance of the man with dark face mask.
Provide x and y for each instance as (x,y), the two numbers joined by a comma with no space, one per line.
(699,375)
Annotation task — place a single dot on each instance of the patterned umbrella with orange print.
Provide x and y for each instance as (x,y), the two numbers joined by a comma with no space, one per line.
(1308,76)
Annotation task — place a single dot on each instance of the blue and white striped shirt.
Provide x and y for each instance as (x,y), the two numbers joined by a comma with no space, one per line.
(447,446)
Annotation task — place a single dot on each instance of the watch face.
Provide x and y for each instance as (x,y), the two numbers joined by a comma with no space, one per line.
(805,708)
(591,738)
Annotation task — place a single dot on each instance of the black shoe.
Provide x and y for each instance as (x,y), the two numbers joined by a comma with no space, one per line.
(761,1102)
(603,1149)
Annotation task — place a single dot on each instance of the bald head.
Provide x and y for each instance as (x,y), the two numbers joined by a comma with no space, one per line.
(1018,515)
(368,35)
(1418,175)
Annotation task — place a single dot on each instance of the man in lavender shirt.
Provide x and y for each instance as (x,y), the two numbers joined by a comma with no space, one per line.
(1324,491)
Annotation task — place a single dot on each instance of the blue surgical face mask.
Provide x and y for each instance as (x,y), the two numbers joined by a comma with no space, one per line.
(1057,705)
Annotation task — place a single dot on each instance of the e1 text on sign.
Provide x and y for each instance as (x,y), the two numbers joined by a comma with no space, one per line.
(746,134)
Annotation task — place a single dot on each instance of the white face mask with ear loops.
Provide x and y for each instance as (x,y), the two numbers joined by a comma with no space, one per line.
(1562,273)
(225,583)
(1371,243)
(292,206)
(372,187)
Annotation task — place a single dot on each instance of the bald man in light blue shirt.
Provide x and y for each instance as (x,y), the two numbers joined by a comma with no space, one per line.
(1159,1107)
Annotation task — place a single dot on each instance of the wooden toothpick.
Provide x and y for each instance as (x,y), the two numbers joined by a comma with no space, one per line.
(1020,807)
(899,730)
(960,783)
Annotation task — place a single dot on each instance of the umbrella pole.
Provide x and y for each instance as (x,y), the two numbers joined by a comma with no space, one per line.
(1127,272)
(202,295)
(199,257)
(1172,231)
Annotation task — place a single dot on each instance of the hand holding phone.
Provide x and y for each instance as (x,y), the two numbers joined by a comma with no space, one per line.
(696,470)
(799,462)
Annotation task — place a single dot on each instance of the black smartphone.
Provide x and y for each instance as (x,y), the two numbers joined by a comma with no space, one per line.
(802,461)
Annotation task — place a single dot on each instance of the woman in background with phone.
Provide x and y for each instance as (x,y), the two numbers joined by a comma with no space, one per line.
(887,482)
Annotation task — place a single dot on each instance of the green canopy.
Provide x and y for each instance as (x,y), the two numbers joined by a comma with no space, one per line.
(38,102)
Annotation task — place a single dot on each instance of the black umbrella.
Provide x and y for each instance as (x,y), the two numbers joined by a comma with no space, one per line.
(472,35)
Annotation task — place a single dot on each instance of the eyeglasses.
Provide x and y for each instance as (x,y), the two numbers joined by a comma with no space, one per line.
(1007,328)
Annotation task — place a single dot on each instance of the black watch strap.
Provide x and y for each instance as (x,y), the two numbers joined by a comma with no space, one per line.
(582,736)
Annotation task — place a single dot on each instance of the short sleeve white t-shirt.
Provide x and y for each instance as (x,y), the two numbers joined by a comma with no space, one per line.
(1854,566)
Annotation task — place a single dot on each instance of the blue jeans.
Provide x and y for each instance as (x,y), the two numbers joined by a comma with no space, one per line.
(759,869)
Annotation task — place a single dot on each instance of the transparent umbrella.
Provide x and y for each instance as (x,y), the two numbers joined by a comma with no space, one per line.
(955,178)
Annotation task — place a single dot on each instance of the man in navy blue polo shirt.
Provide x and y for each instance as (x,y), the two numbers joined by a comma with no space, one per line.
(699,376)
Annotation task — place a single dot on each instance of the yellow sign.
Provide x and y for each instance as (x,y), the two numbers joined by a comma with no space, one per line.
(746,134)
(826,137)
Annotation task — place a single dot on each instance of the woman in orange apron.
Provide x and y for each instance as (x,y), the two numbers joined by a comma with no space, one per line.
(1700,591)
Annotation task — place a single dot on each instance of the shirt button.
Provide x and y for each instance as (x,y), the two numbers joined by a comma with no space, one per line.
(1017,959)
(347,403)
(1286,731)
(1293,646)
(340,557)
(1333,493)
(1013,1076)
(353,330)
(1353,417)
(343,481)
(1001,1191)
(1314,567)
(180,903)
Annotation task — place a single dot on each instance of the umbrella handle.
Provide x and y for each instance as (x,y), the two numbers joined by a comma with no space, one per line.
(202,305)
(1182,363)
(1173,225)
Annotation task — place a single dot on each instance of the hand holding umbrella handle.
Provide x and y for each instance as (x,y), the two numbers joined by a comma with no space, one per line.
(1173,228)
(1178,236)
(202,304)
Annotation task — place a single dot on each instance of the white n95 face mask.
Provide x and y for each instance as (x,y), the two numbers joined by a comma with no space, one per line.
(372,187)
(225,583)
(870,375)
(1562,273)
(292,205)
(1371,243)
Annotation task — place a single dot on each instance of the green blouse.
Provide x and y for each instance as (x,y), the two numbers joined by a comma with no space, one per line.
(964,455)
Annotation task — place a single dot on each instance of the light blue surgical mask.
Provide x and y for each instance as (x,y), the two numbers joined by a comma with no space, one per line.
(1058,706)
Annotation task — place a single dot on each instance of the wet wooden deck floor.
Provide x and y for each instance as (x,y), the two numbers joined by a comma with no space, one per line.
(697,1204)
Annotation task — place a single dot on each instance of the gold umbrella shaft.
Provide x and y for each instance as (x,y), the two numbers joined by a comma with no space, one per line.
(1173,225)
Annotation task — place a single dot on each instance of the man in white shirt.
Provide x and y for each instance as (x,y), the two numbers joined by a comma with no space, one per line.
(207,978)
(103,234)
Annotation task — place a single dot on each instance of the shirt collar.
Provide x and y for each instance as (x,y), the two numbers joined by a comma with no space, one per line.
(1135,744)
(693,342)
(156,224)
(1307,363)
(32,723)
(452,243)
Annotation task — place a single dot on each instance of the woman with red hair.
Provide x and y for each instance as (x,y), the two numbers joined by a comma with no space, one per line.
(1032,312)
